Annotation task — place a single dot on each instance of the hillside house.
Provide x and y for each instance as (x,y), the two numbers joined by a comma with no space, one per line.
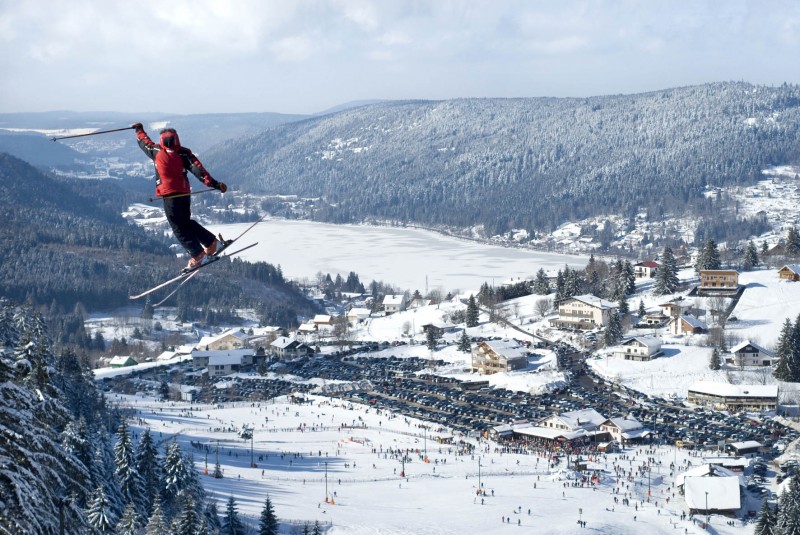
(498,356)
(645,270)
(674,309)
(438,327)
(586,419)
(286,347)
(230,339)
(789,272)
(750,354)
(719,279)
(122,362)
(654,319)
(202,358)
(625,430)
(394,303)
(734,398)
(687,324)
(583,312)
(220,365)
(717,495)
(356,315)
(639,348)
(323,320)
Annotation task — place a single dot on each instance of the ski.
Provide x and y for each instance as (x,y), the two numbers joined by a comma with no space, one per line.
(191,272)
(210,260)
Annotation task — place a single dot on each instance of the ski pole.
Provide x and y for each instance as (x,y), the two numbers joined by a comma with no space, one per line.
(93,133)
(158,198)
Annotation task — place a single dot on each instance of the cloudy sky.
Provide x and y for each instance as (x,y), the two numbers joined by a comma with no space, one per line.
(304,56)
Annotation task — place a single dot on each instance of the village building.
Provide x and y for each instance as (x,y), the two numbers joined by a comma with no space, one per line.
(687,324)
(223,364)
(639,348)
(201,359)
(625,430)
(789,272)
(718,279)
(357,314)
(745,447)
(419,302)
(676,308)
(230,339)
(323,320)
(438,327)
(749,353)
(586,419)
(583,312)
(645,270)
(394,303)
(498,356)
(725,396)
(654,319)
(706,495)
(122,362)
(285,347)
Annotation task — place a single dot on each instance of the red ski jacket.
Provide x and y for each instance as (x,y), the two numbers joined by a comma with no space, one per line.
(172,163)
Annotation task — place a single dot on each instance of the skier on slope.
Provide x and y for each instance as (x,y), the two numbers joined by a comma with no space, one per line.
(172,162)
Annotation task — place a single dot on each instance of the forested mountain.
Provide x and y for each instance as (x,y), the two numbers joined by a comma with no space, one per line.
(64,243)
(530,163)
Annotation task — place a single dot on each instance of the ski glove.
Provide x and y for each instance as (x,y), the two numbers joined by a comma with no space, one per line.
(221,186)
(137,126)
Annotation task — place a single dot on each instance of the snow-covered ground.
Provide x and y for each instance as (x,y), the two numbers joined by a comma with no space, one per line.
(295,446)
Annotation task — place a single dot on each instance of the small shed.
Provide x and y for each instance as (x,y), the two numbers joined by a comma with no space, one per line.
(122,362)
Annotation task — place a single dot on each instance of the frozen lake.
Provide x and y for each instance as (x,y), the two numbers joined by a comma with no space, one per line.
(403,257)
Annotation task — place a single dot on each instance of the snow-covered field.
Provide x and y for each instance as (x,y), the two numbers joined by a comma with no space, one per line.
(367,494)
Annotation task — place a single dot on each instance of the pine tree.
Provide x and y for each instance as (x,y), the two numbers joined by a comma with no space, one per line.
(613,332)
(793,243)
(157,524)
(176,477)
(187,521)
(623,304)
(464,343)
(642,312)
(715,362)
(784,352)
(317,529)
(541,286)
(767,521)
(269,522)
(125,469)
(750,256)
(472,312)
(431,338)
(789,509)
(231,523)
(149,469)
(667,275)
(100,513)
(128,524)
(630,277)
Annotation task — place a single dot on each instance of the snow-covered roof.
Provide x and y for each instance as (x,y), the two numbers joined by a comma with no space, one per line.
(120,360)
(712,493)
(323,318)
(624,424)
(576,419)
(746,343)
(284,342)
(223,352)
(794,268)
(647,263)
(651,343)
(393,300)
(746,444)
(594,301)
(729,390)
(552,433)
(693,322)
(705,470)
(357,312)
(506,348)
(235,333)
(224,360)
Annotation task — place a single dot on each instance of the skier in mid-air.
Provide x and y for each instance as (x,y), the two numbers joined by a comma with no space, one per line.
(172,162)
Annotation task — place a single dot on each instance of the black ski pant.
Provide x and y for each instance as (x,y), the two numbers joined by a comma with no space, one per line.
(192,235)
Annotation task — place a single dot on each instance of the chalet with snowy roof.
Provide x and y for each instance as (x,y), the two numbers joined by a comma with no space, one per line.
(744,447)
(625,430)
(438,327)
(645,270)
(654,319)
(687,324)
(495,356)
(357,314)
(713,495)
(750,354)
(789,272)
(122,362)
(718,280)
(201,359)
(675,308)
(419,302)
(394,303)
(526,432)
(583,312)
(725,396)
(286,347)
(586,419)
(708,469)
(323,320)
(224,364)
(639,348)
(230,339)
